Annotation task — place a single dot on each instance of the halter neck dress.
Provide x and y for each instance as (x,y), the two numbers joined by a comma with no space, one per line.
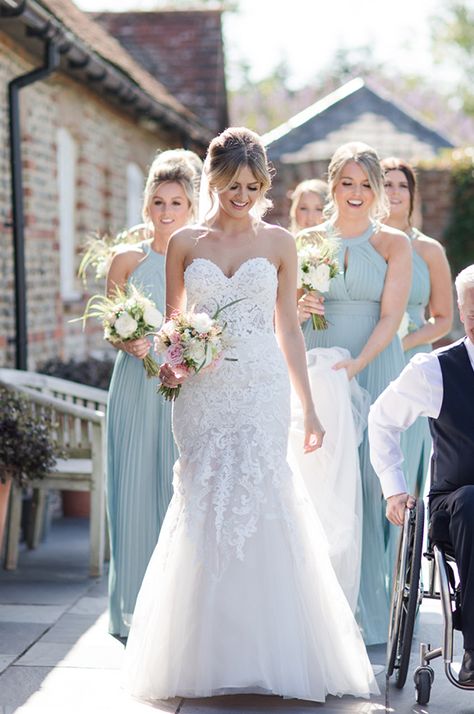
(140,456)
(352,309)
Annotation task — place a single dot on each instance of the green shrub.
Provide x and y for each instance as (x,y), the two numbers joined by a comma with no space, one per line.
(27,446)
(459,236)
(91,371)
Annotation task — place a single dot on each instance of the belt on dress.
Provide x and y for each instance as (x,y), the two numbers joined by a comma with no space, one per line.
(370,308)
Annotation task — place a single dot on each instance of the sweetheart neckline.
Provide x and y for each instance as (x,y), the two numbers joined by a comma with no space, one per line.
(231,277)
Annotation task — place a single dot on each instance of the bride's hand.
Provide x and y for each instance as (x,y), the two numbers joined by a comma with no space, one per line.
(171,377)
(313,433)
(309,304)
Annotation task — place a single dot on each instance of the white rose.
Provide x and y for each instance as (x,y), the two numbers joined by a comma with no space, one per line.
(110,318)
(169,327)
(403,328)
(196,351)
(159,344)
(321,278)
(152,316)
(125,325)
(201,322)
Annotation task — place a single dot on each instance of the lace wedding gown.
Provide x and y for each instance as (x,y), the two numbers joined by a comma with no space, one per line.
(240,594)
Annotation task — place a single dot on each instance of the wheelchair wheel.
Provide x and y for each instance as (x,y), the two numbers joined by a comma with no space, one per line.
(423,678)
(405,595)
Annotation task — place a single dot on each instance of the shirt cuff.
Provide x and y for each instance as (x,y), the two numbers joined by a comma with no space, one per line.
(393,482)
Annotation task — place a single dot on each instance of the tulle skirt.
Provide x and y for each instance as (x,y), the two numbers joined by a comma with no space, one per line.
(332,474)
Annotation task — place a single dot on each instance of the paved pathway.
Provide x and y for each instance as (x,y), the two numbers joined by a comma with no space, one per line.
(56,656)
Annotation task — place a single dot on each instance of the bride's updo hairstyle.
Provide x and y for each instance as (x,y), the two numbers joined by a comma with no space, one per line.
(170,167)
(367,158)
(229,152)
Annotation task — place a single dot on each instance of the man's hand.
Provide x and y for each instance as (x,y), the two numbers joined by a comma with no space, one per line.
(396,506)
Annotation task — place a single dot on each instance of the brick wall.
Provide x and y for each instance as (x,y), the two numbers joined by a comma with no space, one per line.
(107,141)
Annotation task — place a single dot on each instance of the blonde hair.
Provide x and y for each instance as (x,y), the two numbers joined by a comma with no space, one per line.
(320,188)
(367,158)
(170,167)
(229,152)
(464,280)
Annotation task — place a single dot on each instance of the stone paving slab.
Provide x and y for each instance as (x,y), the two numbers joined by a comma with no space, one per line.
(5,661)
(45,614)
(69,628)
(39,592)
(15,637)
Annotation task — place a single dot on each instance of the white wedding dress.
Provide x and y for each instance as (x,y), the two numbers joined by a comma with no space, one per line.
(332,473)
(240,595)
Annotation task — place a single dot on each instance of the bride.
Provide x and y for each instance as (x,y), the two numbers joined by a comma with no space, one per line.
(240,595)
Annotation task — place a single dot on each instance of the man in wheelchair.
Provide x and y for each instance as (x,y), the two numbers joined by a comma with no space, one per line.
(440,386)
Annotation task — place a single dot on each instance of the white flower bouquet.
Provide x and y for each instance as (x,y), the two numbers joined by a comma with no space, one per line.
(407,326)
(100,249)
(192,341)
(126,316)
(317,265)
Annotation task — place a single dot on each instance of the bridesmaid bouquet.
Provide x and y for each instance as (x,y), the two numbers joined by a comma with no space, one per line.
(100,249)
(192,341)
(407,326)
(317,265)
(129,315)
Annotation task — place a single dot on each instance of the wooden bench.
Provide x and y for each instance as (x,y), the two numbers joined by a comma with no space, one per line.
(78,414)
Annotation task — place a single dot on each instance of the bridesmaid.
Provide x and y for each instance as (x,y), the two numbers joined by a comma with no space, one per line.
(430,295)
(364,307)
(141,449)
(307,203)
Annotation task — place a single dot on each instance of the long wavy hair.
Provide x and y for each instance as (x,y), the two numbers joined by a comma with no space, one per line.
(320,188)
(367,158)
(392,163)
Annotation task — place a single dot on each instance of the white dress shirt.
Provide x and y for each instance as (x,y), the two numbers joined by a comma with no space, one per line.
(418,391)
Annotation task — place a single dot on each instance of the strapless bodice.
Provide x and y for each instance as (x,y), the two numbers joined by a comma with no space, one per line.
(254,285)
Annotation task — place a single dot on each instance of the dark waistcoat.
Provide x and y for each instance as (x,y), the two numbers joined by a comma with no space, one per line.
(452,463)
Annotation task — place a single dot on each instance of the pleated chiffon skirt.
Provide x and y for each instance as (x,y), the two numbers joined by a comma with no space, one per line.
(141,454)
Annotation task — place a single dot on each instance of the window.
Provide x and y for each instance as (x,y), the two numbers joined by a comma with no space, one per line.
(66,166)
(135,184)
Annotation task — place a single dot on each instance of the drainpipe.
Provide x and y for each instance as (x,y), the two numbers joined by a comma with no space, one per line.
(51,62)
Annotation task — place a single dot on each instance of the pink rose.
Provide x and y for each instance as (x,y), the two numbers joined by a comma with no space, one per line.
(174,355)
(181,371)
(174,338)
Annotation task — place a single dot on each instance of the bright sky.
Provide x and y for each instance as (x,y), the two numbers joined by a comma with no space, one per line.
(307,32)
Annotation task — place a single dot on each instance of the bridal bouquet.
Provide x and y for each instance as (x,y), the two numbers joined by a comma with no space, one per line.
(192,341)
(126,316)
(317,265)
(100,249)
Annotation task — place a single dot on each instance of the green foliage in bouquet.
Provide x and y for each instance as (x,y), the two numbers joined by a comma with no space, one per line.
(100,249)
(128,315)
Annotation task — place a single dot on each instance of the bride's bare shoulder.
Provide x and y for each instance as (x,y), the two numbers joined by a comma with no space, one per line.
(187,237)
(275,232)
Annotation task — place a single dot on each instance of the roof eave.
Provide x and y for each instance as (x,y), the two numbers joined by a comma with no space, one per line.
(87,65)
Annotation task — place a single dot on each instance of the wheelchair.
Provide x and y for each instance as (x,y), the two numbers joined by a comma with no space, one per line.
(407,595)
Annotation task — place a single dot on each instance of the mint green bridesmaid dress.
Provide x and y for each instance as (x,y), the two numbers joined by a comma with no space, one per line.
(141,455)
(352,308)
(417,437)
